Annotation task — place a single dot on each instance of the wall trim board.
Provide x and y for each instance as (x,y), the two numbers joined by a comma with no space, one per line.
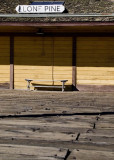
(11,62)
(36,24)
(74,63)
(50,34)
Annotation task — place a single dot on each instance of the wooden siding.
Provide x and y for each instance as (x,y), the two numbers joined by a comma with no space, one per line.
(4,60)
(63,59)
(43,58)
(63,27)
(95,60)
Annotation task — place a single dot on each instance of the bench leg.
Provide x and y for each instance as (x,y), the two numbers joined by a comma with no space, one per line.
(63,83)
(28,85)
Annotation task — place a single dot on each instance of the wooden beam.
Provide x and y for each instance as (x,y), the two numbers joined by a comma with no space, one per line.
(66,34)
(11,62)
(36,24)
(74,63)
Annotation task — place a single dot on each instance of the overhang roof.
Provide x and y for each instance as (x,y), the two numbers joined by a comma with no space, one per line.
(57,28)
(73,7)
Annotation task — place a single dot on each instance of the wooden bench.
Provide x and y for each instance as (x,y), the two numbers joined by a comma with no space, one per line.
(45,86)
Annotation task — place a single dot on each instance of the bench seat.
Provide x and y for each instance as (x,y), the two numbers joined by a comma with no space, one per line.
(46,86)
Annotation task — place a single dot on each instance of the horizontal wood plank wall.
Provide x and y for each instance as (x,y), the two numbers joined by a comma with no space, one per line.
(4,61)
(63,59)
(32,59)
(43,58)
(95,60)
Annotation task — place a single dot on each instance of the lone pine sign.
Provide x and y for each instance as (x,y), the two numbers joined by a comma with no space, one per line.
(41,7)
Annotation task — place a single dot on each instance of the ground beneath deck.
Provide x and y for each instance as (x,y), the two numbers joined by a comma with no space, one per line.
(56,125)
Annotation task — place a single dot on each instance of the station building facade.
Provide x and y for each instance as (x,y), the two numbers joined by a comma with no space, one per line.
(80,50)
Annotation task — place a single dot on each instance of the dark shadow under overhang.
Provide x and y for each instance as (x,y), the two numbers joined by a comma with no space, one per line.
(56,28)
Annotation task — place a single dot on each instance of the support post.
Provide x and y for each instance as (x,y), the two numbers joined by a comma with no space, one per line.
(74,64)
(11,62)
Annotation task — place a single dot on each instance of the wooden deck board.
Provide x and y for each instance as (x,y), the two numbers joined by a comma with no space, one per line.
(24,102)
(91,155)
(45,125)
(36,152)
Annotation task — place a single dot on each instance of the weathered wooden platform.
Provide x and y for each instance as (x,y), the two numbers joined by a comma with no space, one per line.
(55,125)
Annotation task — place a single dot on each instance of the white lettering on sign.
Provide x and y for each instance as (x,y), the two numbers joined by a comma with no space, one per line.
(40,8)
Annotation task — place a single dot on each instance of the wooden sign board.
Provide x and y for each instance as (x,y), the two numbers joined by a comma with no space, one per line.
(41,7)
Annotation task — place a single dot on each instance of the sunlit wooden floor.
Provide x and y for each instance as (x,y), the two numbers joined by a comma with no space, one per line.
(56,126)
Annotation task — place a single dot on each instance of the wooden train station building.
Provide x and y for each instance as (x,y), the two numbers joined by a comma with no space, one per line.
(50,47)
